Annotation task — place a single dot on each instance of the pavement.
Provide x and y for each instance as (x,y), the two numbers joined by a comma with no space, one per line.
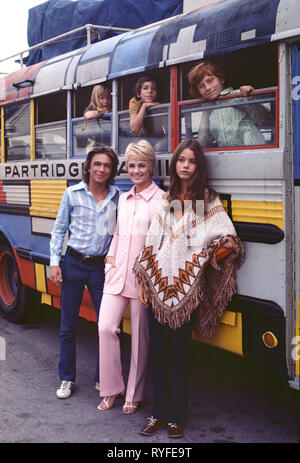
(230,402)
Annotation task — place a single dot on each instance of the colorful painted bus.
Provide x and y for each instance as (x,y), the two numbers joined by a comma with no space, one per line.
(44,142)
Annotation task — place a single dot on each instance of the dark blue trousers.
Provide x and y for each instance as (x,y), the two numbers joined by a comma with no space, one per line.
(170,360)
(76,275)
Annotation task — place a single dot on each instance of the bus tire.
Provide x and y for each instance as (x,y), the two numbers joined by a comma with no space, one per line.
(13,294)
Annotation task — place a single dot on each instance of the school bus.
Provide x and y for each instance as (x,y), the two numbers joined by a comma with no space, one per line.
(43,147)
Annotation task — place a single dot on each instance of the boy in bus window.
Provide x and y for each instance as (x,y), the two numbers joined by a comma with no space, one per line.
(154,129)
(100,102)
(226,126)
(146,95)
(88,211)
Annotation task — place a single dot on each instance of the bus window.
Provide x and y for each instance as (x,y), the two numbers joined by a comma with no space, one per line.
(88,134)
(17,131)
(231,122)
(155,129)
(242,67)
(51,126)
(51,141)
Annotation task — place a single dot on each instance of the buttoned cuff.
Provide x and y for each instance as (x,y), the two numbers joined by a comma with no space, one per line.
(54,261)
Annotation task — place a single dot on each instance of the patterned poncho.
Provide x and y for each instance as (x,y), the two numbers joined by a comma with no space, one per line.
(178,266)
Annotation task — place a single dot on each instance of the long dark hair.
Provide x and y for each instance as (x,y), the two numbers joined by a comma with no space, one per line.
(101,150)
(199,188)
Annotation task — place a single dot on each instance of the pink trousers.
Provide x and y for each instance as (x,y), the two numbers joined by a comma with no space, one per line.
(111,313)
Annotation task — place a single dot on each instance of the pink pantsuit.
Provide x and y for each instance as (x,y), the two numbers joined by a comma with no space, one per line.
(135,212)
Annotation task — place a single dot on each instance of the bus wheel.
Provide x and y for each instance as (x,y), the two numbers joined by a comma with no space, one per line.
(12,292)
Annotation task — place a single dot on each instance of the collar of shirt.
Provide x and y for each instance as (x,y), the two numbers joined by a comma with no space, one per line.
(226,91)
(146,194)
(112,190)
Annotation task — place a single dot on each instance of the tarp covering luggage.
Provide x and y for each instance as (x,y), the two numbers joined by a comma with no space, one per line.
(55,17)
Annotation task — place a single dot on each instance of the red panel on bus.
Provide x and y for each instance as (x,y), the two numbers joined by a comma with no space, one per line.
(2,194)
(12,93)
(26,270)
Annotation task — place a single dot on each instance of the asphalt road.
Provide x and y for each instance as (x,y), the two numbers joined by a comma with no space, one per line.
(229,401)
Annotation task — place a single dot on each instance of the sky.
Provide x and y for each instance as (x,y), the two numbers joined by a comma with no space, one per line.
(13,30)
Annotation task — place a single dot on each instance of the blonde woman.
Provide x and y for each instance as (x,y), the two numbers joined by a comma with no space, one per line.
(135,211)
(100,102)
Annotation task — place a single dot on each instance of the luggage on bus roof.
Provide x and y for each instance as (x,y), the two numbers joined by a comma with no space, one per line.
(56,17)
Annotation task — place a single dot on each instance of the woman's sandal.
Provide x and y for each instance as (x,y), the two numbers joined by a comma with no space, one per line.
(130,407)
(107,403)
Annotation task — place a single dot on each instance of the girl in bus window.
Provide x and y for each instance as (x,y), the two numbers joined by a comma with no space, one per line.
(187,273)
(146,95)
(100,102)
(226,126)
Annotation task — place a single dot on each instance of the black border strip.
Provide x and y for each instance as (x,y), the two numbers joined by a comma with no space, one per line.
(259,232)
(26,254)
(14,209)
(241,303)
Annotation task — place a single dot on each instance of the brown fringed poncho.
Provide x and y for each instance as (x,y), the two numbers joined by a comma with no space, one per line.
(178,266)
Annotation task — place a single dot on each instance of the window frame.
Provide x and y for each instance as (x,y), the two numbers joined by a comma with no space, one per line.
(17,134)
(108,116)
(238,95)
(152,113)
(46,125)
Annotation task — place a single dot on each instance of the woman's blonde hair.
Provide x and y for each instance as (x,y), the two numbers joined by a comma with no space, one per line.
(98,91)
(141,150)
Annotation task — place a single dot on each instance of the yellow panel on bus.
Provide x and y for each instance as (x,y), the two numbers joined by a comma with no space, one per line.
(228,335)
(46,197)
(259,212)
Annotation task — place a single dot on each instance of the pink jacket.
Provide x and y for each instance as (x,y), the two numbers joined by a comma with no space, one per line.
(135,212)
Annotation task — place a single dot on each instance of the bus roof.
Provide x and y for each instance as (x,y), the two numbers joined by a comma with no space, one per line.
(219,28)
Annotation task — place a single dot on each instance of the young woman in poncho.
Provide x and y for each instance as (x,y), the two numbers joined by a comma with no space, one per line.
(187,273)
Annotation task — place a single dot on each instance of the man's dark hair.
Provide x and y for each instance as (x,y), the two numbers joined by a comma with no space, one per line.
(101,150)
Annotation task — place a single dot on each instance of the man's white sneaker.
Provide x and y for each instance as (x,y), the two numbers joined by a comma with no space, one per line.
(65,390)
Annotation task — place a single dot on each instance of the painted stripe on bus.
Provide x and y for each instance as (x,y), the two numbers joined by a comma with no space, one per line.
(259,212)
(46,197)
(40,278)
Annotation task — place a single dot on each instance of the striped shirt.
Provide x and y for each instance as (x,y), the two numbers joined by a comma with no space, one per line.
(234,126)
(91,226)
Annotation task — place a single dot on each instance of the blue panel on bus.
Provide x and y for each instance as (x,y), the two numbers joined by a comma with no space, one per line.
(18,230)
(132,53)
(224,27)
(296,107)
(100,49)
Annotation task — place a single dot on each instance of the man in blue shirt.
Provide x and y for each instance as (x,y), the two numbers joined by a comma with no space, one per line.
(88,212)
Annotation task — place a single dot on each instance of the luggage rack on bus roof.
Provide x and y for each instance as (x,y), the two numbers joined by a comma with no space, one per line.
(90,28)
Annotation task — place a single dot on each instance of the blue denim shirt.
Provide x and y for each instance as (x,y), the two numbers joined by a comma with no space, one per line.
(91,226)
